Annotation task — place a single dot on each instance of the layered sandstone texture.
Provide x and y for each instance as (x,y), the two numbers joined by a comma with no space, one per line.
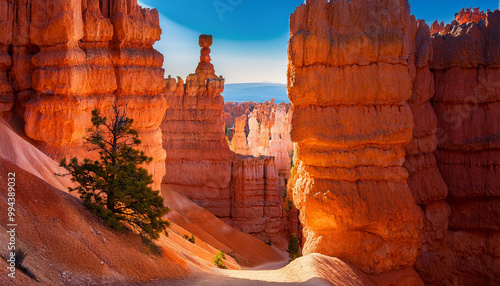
(466,64)
(261,129)
(349,81)
(241,190)
(69,57)
(470,15)
(199,158)
(425,181)
(256,202)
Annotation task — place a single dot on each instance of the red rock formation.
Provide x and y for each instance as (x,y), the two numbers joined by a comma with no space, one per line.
(425,181)
(349,81)
(199,159)
(467,80)
(6,39)
(76,56)
(466,16)
(281,145)
(254,135)
(256,201)
(268,132)
(239,143)
(242,191)
(436,27)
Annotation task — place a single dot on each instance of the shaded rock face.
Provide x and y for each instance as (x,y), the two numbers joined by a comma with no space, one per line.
(256,202)
(466,65)
(70,57)
(241,190)
(425,180)
(261,129)
(349,81)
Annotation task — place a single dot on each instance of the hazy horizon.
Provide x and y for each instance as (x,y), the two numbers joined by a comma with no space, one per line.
(251,37)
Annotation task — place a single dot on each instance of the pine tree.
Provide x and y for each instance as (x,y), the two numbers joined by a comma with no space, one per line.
(115,187)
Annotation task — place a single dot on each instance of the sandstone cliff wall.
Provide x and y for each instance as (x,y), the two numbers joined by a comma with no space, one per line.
(451,159)
(261,129)
(466,66)
(68,57)
(349,81)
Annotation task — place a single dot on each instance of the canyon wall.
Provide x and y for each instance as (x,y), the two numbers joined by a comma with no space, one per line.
(256,202)
(241,190)
(68,57)
(450,76)
(261,129)
(425,180)
(466,65)
(349,81)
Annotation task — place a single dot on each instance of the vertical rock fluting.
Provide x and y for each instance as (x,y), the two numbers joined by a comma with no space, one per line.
(256,201)
(92,54)
(281,144)
(466,63)
(269,127)
(253,139)
(425,181)
(349,81)
(239,143)
(199,158)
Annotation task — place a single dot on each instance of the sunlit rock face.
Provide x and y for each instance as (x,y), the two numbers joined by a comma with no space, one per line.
(68,57)
(241,190)
(466,61)
(349,82)
(470,15)
(261,129)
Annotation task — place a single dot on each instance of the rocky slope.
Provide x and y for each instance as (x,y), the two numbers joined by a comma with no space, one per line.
(68,245)
(70,57)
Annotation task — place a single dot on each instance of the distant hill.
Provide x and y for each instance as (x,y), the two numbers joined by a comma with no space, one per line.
(258,92)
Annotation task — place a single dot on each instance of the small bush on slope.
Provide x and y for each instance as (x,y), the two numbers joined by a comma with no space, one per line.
(293,247)
(218,260)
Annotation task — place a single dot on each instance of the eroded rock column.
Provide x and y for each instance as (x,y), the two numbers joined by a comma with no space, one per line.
(349,82)
(93,54)
(199,158)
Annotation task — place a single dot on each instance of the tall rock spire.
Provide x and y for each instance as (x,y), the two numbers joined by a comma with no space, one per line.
(205,68)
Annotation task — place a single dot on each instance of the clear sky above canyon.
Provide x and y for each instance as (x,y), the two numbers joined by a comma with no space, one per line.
(250,36)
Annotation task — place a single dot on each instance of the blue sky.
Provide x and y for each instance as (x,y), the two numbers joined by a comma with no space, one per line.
(250,36)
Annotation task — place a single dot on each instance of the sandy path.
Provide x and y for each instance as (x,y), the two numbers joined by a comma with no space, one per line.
(314,269)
